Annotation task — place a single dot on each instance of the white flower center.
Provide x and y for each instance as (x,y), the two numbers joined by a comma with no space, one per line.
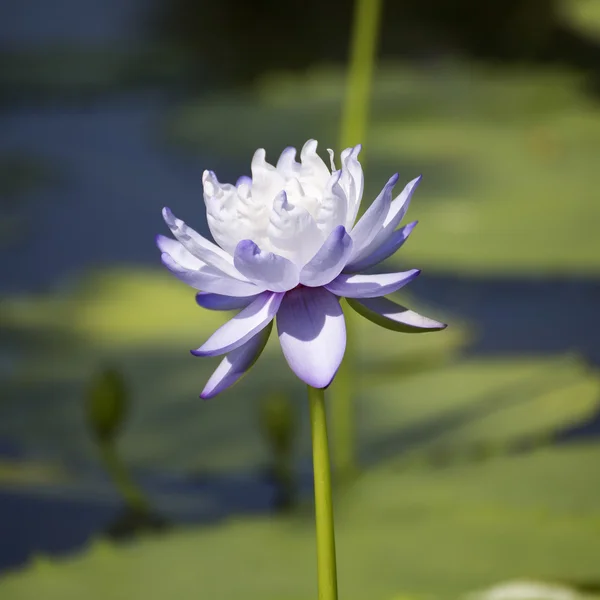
(288,209)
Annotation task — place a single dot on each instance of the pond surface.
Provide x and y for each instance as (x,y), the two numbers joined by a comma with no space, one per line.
(114,174)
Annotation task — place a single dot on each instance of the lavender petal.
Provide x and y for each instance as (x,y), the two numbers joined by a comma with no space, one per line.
(393,316)
(370,286)
(277,273)
(236,364)
(312,333)
(389,247)
(329,261)
(246,324)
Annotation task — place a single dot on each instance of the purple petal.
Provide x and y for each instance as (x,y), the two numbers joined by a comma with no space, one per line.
(393,316)
(278,274)
(246,324)
(400,205)
(236,364)
(370,224)
(329,261)
(219,302)
(389,246)
(199,246)
(312,334)
(395,214)
(210,279)
(179,254)
(370,286)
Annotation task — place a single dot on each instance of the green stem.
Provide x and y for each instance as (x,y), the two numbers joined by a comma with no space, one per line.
(363,46)
(133,497)
(326,565)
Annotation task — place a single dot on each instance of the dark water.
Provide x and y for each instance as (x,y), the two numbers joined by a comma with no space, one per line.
(115,172)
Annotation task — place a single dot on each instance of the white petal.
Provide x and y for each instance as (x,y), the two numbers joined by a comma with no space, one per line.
(265,268)
(199,246)
(287,165)
(267,182)
(333,206)
(292,232)
(178,252)
(313,164)
(352,182)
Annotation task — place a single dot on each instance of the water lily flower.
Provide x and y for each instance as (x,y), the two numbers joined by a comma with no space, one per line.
(288,247)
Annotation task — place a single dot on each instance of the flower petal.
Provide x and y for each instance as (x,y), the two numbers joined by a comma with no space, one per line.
(312,333)
(396,213)
(393,316)
(287,164)
(236,364)
(329,261)
(233,213)
(313,163)
(220,302)
(393,243)
(370,224)
(246,324)
(277,273)
(210,279)
(333,206)
(370,286)
(352,182)
(400,204)
(292,231)
(176,250)
(199,246)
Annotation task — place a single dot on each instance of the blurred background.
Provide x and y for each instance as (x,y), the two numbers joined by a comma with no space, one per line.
(477,447)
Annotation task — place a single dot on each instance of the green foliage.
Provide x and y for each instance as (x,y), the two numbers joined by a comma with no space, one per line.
(107,404)
(278,422)
(423,533)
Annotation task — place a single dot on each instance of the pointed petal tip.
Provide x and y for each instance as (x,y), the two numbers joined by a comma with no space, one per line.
(393,180)
(159,240)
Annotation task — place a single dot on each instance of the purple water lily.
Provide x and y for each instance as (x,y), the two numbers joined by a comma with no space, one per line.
(287,246)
